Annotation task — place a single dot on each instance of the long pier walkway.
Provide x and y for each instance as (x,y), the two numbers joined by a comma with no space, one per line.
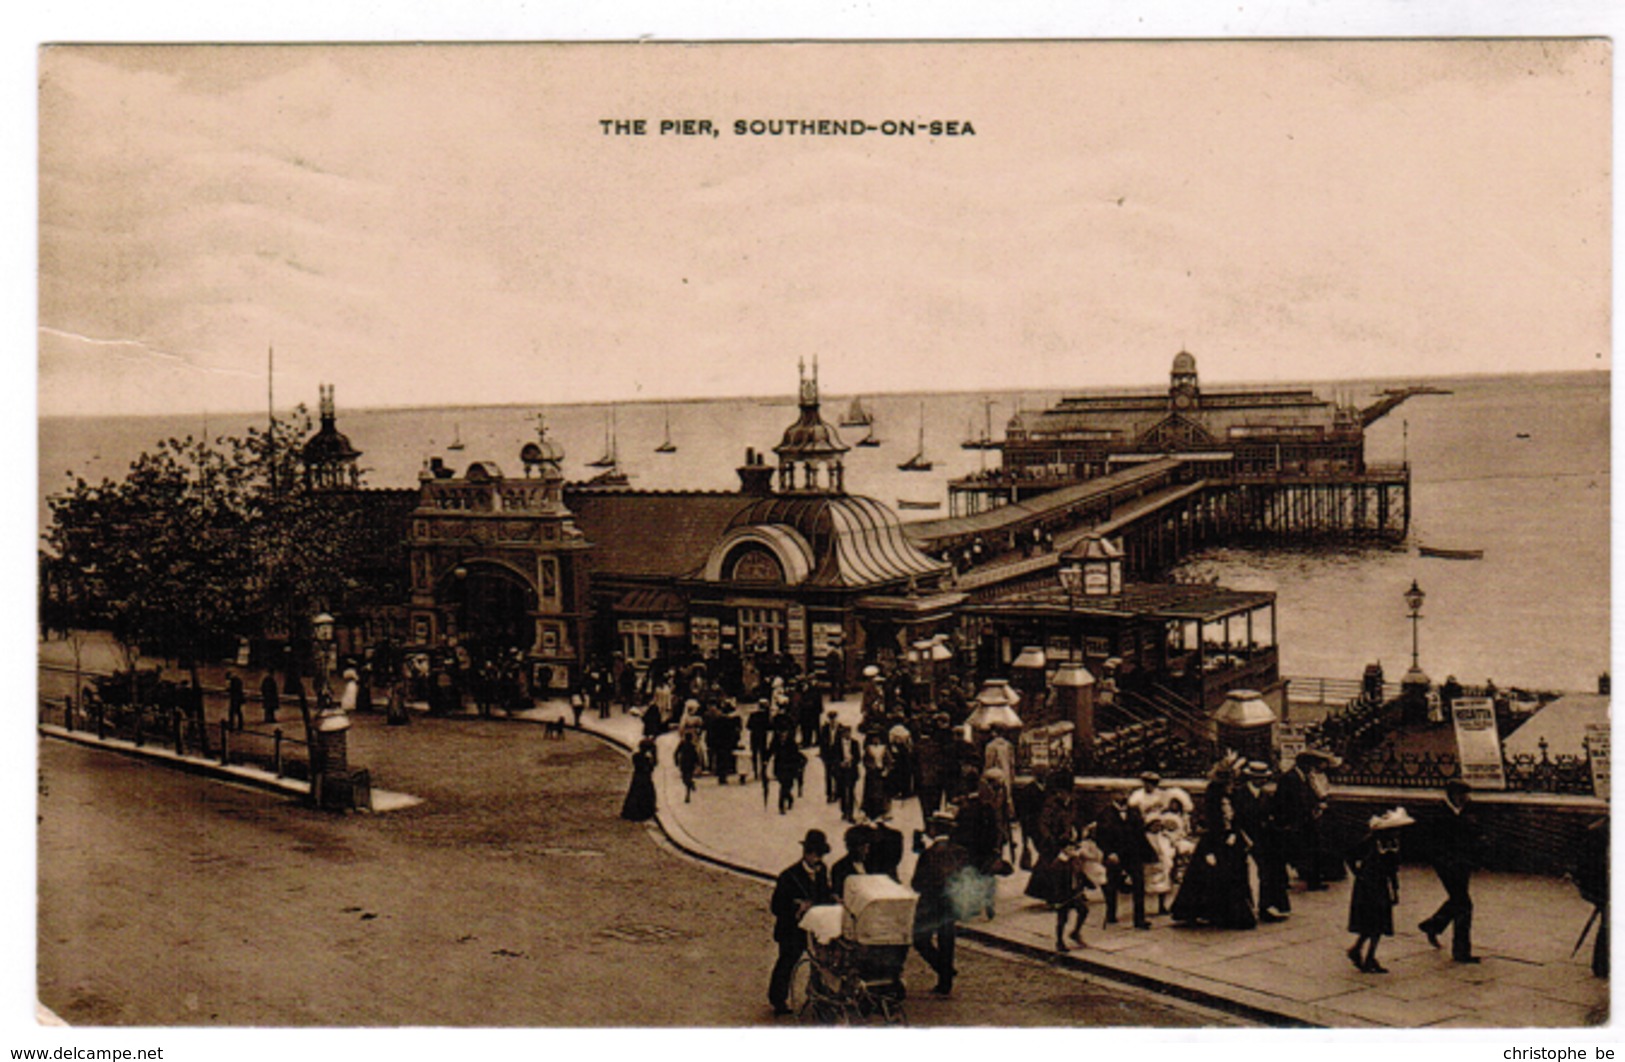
(1161,512)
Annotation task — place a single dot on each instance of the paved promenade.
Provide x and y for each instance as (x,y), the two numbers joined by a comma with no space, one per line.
(1292,973)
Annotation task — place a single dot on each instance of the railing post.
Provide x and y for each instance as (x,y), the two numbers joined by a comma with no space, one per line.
(101,721)
(67,713)
(180,733)
(225,742)
(276,751)
(140,737)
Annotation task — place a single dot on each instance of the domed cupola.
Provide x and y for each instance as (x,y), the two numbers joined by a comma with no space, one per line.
(810,452)
(328,457)
(1183,391)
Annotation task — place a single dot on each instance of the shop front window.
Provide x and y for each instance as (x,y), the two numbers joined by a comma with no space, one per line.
(761,630)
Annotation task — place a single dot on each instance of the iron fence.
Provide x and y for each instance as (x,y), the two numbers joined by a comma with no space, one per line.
(143,726)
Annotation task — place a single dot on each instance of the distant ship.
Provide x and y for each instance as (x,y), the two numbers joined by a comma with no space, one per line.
(608,460)
(904,503)
(985,440)
(869,439)
(919,462)
(857,416)
(667,447)
(457,438)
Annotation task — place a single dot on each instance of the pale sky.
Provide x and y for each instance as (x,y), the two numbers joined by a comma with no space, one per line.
(449,224)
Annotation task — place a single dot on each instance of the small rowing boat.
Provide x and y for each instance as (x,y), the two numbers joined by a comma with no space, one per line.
(1450,554)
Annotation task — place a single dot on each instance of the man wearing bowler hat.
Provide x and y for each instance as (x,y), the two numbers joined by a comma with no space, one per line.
(802,885)
(1455,841)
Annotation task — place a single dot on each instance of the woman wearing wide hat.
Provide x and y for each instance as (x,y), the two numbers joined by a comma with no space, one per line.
(1375,862)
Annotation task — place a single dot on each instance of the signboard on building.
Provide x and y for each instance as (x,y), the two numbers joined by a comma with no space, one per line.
(824,635)
(1597,740)
(795,632)
(1290,739)
(706,633)
(1478,743)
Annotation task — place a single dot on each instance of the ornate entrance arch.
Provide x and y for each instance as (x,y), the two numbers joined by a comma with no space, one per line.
(491,606)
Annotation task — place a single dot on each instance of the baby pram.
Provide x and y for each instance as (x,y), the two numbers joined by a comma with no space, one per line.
(853,970)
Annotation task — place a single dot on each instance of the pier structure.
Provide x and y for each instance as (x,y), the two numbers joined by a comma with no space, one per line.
(1169,473)
(1162,511)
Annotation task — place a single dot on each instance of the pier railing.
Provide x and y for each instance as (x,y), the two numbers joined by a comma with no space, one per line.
(1332,692)
(1525,772)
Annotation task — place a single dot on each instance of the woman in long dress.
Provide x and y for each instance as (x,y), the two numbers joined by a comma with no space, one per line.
(1217,890)
(640,796)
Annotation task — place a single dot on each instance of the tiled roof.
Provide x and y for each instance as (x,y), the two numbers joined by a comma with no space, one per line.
(664,533)
(856,541)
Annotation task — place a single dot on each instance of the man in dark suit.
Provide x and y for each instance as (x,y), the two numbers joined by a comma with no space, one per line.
(1455,843)
(234,701)
(1298,809)
(268,697)
(1254,817)
(939,878)
(1120,833)
(801,886)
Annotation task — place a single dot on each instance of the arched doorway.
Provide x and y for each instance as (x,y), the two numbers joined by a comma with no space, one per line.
(490,607)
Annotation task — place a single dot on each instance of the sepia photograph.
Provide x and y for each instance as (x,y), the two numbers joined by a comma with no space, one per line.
(1024,534)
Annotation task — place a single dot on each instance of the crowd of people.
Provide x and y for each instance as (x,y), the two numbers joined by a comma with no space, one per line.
(1231,858)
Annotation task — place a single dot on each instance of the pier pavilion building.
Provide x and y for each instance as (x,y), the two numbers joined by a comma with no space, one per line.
(791,564)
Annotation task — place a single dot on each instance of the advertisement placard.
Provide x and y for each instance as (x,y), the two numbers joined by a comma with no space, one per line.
(1478,743)
(1597,740)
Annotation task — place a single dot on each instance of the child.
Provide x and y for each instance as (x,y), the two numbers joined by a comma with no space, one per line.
(1375,862)
(688,761)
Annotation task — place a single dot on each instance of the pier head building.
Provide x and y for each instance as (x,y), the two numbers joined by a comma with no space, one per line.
(1279,461)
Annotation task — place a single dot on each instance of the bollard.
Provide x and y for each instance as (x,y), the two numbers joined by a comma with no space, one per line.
(101,722)
(67,714)
(276,751)
(140,737)
(180,735)
(225,743)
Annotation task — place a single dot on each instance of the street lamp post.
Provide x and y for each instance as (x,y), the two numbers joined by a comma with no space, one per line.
(322,626)
(1415,685)
(1414,598)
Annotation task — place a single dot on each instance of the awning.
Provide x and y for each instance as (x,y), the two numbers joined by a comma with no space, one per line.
(649,602)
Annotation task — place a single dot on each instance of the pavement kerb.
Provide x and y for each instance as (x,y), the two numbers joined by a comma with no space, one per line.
(240,775)
(1254,1006)
(191,765)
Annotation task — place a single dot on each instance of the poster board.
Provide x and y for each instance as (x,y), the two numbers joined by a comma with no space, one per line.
(1597,741)
(1478,743)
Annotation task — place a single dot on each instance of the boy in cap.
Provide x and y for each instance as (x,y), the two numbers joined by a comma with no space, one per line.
(800,887)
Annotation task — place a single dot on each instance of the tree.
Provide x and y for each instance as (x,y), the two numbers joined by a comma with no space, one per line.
(202,543)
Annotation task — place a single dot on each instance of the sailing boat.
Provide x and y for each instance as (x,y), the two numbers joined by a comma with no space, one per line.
(457,438)
(918,463)
(869,439)
(667,447)
(608,460)
(984,441)
(857,416)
